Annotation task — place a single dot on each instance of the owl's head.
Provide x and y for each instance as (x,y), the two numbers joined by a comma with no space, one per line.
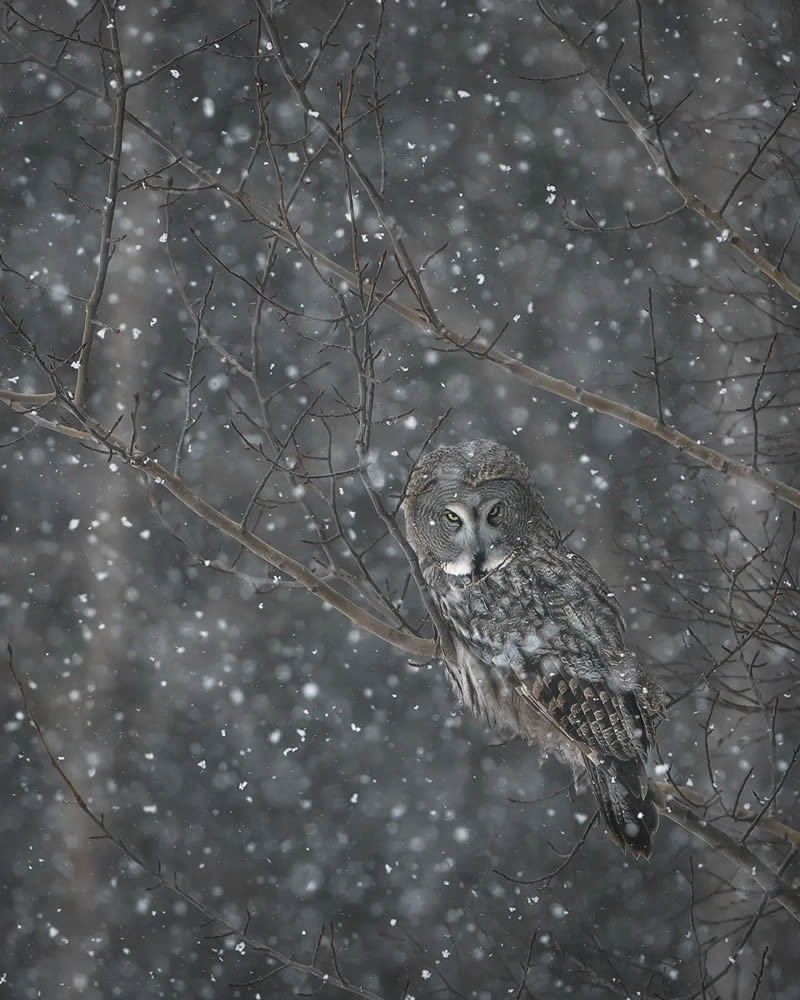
(470,507)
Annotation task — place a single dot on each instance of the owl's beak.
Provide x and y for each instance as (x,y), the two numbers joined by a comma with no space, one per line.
(478,566)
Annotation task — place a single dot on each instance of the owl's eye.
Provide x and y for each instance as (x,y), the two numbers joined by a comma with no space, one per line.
(452,517)
(494,514)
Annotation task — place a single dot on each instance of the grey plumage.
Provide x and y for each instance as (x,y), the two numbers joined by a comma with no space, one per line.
(539,640)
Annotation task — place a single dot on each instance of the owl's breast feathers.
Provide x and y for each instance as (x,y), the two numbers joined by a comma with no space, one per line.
(546,628)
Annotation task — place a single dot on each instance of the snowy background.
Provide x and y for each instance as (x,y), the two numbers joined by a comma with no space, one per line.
(282,762)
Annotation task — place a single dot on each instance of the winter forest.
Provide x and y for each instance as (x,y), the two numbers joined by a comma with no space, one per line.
(255,259)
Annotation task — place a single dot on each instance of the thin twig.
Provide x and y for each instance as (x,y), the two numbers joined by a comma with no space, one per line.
(162,879)
(109,208)
(534,377)
(753,254)
(745,860)
(159,474)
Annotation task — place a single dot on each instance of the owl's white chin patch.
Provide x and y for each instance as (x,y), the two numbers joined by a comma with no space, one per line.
(494,560)
(463,565)
(459,567)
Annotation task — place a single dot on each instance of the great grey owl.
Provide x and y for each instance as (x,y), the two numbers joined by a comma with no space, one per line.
(539,640)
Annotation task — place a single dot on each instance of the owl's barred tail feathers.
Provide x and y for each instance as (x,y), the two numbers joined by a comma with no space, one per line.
(626,803)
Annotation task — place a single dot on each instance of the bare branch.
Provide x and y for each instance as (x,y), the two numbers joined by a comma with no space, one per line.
(728,234)
(164,880)
(558,387)
(117,85)
(161,476)
(672,807)
(762,146)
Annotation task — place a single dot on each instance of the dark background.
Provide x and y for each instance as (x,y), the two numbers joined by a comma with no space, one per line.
(280,760)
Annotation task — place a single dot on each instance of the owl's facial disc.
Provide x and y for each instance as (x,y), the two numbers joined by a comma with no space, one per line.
(472,543)
(471,529)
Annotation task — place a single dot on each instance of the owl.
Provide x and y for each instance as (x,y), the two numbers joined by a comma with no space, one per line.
(539,640)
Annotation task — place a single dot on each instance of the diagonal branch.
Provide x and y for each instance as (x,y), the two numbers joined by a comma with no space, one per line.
(161,476)
(715,218)
(671,806)
(760,149)
(533,376)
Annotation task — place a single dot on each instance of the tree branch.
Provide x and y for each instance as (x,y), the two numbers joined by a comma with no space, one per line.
(109,207)
(671,806)
(159,474)
(727,233)
(533,376)
(163,880)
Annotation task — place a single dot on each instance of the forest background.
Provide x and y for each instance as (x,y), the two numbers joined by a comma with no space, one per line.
(254,258)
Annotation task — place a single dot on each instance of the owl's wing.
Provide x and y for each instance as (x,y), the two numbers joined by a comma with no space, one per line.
(573,667)
(613,728)
(595,710)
